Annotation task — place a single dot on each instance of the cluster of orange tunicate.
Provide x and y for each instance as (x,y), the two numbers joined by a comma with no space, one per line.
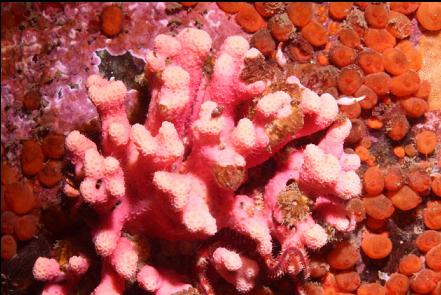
(41,165)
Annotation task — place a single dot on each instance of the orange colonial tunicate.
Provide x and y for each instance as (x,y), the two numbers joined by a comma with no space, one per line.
(112,20)
(348,281)
(429,15)
(424,90)
(373,181)
(370,62)
(349,38)
(432,215)
(424,281)
(410,150)
(378,82)
(397,284)
(264,42)
(393,179)
(249,19)
(280,27)
(436,185)
(376,15)
(379,39)
(394,61)
(315,33)
(356,208)
(230,7)
(53,146)
(405,84)
(344,255)
(26,227)
(51,174)
(410,264)
(433,258)
(20,198)
(339,10)
(413,55)
(341,55)
(375,224)
(399,25)
(426,142)
(188,4)
(268,9)
(414,107)
(349,81)
(376,246)
(427,240)
(8,220)
(404,7)
(397,127)
(318,268)
(419,180)
(379,207)
(300,13)
(352,111)
(372,288)
(399,152)
(9,174)
(8,247)
(362,152)
(32,158)
(370,97)
(406,199)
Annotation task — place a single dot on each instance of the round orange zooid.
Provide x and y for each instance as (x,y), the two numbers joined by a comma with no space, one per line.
(370,61)
(419,180)
(397,284)
(376,246)
(424,90)
(348,281)
(379,207)
(372,288)
(405,84)
(249,19)
(356,208)
(433,258)
(9,173)
(339,10)
(406,199)
(8,247)
(20,198)
(379,39)
(362,152)
(281,27)
(343,256)
(378,82)
(376,15)
(426,142)
(410,264)
(32,100)
(399,25)
(341,55)
(398,126)
(32,158)
(424,281)
(436,185)
(349,38)
(349,81)
(399,152)
(51,174)
(53,146)
(315,33)
(188,4)
(112,20)
(373,181)
(427,240)
(393,179)
(413,55)
(404,7)
(414,107)
(300,13)
(429,15)
(230,7)
(432,215)
(395,62)
(26,227)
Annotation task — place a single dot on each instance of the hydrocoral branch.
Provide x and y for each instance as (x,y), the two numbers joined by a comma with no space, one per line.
(176,176)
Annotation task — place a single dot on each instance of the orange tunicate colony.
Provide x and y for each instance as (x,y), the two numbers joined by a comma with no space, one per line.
(112,20)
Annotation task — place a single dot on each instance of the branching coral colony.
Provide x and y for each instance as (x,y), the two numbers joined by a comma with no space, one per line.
(175,177)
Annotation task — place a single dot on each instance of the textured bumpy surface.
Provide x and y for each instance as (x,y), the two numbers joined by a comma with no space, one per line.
(176,177)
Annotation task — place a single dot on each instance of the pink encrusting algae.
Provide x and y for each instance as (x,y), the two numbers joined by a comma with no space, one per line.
(175,177)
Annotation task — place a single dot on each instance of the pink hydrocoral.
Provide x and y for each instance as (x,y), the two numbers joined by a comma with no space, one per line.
(176,176)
